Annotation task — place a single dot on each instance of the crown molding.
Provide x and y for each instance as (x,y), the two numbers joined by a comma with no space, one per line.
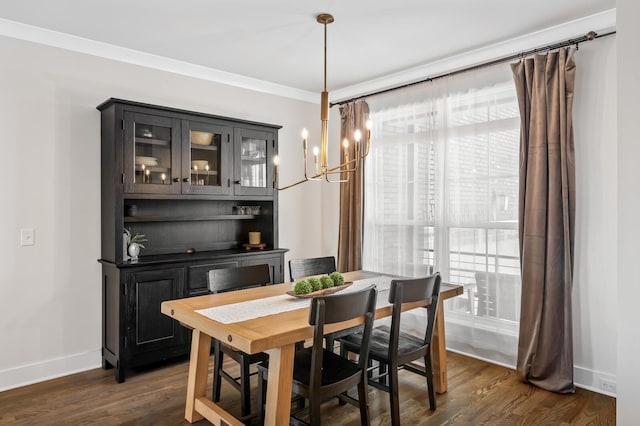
(599,22)
(70,42)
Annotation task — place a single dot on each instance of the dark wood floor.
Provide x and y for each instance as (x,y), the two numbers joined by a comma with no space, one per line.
(479,394)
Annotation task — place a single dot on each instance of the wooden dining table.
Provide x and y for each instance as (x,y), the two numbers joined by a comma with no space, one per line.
(276,335)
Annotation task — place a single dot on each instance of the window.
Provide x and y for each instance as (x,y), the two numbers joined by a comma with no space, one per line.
(441,194)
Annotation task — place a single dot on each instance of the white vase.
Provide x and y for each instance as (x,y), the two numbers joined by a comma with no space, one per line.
(134,250)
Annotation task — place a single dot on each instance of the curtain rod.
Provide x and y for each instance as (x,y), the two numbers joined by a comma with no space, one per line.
(591,35)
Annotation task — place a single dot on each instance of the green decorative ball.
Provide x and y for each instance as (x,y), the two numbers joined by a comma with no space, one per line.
(337,277)
(326,281)
(302,287)
(315,284)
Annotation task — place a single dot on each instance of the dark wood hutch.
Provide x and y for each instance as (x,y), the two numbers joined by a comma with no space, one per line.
(195,185)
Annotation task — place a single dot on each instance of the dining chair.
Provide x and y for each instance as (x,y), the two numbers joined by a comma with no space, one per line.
(394,349)
(318,373)
(228,279)
(300,268)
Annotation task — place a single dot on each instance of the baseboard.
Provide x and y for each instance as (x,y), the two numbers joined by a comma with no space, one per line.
(40,371)
(595,381)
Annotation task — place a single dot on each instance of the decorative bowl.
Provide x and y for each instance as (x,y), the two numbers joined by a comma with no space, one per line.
(146,161)
(201,138)
(322,292)
(200,164)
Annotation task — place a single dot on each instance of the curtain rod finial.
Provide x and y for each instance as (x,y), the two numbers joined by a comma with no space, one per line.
(591,35)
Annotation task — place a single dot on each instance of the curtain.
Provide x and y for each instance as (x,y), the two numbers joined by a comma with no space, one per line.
(441,190)
(352,116)
(545,85)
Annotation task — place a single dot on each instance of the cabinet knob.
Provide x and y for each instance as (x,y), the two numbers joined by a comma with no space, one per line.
(186,180)
(176,180)
(237,182)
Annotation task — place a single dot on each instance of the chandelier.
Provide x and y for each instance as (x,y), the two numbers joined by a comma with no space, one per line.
(321,169)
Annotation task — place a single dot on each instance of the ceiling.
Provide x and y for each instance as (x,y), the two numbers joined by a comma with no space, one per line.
(279,41)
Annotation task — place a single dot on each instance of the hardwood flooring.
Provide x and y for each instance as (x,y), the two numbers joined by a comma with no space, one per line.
(479,394)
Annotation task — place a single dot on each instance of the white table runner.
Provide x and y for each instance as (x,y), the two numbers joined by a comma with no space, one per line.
(250,309)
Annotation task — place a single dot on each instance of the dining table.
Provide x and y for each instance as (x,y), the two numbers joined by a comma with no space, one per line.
(243,320)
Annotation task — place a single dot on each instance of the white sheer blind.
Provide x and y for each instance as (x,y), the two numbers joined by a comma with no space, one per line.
(441,194)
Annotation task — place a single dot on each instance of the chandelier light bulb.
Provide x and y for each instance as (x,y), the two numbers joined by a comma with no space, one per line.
(276,160)
(305,134)
(369,124)
(316,151)
(357,135)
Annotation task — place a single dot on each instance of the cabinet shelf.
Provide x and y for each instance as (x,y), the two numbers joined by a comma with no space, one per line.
(204,147)
(259,160)
(142,219)
(204,173)
(151,141)
(153,169)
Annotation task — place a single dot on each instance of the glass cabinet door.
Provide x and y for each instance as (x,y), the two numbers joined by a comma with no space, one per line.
(254,162)
(206,154)
(152,153)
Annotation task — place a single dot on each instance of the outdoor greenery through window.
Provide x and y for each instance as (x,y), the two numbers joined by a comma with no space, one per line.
(441,194)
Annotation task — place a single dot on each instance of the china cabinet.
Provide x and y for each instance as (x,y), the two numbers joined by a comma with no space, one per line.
(195,185)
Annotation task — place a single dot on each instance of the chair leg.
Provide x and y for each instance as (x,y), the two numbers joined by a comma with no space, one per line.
(394,401)
(429,374)
(329,342)
(314,410)
(363,403)
(262,393)
(245,388)
(217,368)
(344,353)
(382,370)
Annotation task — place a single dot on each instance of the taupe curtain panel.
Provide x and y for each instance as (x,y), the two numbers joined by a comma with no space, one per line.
(352,116)
(545,85)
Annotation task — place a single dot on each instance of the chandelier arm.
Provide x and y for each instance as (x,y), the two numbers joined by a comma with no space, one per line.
(326,177)
(345,164)
(315,177)
(280,188)
(342,171)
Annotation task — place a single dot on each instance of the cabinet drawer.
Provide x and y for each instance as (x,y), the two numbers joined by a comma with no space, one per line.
(197,276)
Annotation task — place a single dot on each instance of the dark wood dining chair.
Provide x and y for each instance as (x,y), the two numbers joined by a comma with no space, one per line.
(228,279)
(394,349)
(318,373)
(300,268)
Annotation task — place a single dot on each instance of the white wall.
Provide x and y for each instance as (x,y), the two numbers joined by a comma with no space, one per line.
(594,123)
(51,317)
(51,323)
(628,210)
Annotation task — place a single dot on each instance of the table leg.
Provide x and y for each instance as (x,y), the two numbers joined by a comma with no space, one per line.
(439,352)
(198,371)
(279,385)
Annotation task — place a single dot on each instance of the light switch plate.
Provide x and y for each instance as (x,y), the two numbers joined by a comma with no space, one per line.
(27,237)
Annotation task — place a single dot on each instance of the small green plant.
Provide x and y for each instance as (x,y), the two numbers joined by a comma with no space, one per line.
(302,287)
(315,284)
(337,277)
(135,238)
(326,281)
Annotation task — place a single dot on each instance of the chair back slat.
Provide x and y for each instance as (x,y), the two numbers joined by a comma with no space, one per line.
(300,268)
(227,279)
(340,307)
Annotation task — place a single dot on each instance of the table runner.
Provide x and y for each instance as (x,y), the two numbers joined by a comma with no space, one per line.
(250,309)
